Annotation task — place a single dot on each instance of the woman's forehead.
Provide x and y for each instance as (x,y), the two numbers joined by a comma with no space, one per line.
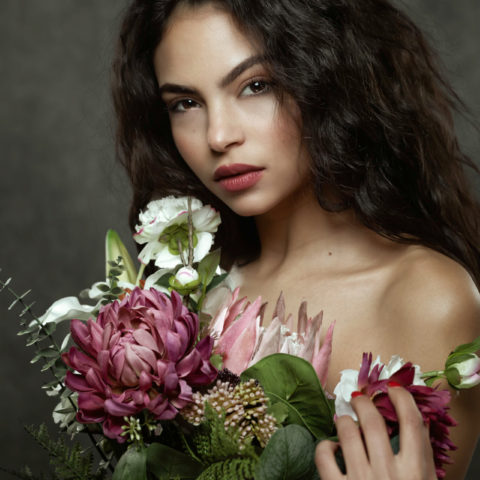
(201,39)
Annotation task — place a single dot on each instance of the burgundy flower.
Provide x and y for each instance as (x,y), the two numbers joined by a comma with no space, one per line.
(432,403)
(140,353)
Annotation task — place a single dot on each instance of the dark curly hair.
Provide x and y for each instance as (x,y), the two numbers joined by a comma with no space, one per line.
(376,111)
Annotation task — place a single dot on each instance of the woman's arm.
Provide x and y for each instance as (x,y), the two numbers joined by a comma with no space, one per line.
(436,307)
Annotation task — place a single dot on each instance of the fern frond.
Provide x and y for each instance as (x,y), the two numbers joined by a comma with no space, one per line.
(26,474)
(231,469)
(70,463)
(214,443)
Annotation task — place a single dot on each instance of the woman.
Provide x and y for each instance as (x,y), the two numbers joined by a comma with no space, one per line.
(322,131)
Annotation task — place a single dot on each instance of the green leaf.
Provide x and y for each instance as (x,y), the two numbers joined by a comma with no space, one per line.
(163,281)
(32,328)
(49,364)
(293,382)
(115,248)
(466,348)
(217,361)
(217,280)
(456,358)
(33,339)
(132,465)
(165,463)
(279,411)
(49,328)
(208,266)
(453,376)
(289,455)
(103,287)
(48,352)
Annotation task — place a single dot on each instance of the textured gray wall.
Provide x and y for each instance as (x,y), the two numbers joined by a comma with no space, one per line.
(59,186)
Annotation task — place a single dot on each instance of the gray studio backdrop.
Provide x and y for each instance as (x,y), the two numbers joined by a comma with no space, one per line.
(60,187)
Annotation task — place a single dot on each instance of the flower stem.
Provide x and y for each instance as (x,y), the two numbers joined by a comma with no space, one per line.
(190,233)
(180,252)
(433,373)
(140,274)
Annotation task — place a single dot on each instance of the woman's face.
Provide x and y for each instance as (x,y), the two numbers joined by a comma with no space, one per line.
(226,121)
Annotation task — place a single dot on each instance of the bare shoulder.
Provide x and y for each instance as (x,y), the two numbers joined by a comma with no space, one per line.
(431,292)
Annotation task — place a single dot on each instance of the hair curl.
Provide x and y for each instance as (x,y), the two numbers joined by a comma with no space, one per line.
(375,109)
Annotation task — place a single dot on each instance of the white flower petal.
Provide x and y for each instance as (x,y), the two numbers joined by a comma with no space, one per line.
(343,393)
(151,280)
(66,309)
(164,259)
(206,219)
(186,275)
(205,241)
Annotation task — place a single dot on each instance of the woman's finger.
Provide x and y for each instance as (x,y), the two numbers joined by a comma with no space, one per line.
(414,435)
(325,461)
(375,433)
(353,448)
(412,428)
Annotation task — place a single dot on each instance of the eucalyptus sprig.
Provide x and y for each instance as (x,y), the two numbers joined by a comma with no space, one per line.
(37,334)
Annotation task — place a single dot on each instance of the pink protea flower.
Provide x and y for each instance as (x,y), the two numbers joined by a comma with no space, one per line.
(140,353)
(373,380)
(242,341)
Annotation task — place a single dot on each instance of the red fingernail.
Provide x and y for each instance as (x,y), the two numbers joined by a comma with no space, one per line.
(356,394)
(393,384)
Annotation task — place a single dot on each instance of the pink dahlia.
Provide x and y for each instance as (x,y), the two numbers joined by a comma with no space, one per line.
(139,354)
(432,403)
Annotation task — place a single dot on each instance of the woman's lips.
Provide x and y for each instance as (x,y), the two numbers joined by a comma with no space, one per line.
(238,176)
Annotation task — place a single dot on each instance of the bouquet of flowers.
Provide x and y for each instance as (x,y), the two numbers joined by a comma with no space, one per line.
(173,376)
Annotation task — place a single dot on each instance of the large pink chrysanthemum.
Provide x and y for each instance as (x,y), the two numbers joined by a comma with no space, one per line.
(432,403)
(139,354)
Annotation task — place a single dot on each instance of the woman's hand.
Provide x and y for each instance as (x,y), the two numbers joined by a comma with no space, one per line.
(375,460)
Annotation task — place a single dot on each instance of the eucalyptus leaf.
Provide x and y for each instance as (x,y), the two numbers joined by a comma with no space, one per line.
(289,455)
(48,352)
(117,291)
(33,339)
(132,465)
(293,382)
(166,463)
(32,328)
(49,328)
(48,364)
(103,287)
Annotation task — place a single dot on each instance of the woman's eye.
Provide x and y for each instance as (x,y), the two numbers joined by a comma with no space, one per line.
(183,105)
(256,87)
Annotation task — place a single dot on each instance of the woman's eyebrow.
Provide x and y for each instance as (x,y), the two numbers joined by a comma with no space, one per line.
(240,68)
(225,81)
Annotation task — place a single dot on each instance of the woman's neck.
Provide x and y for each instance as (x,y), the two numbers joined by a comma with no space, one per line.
(300,230)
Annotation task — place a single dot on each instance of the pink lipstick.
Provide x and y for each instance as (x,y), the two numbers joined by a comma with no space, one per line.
(238,176)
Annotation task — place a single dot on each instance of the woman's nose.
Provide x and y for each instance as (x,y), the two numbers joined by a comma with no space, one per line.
(224,130)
